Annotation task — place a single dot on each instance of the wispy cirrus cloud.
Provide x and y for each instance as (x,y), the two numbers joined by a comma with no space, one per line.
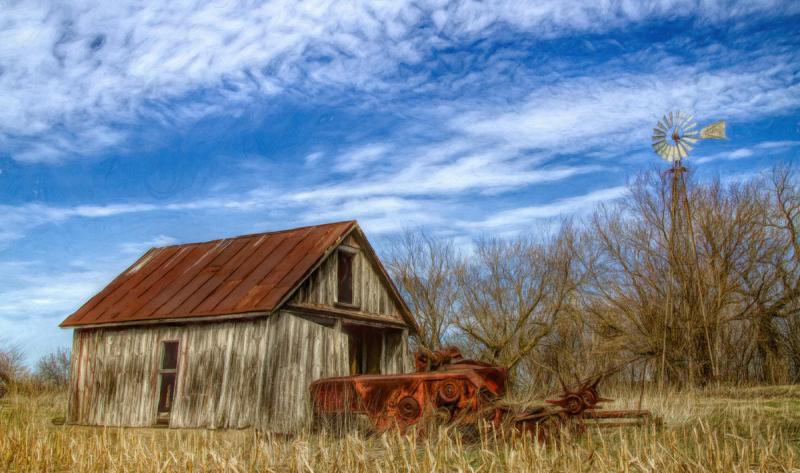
(517,218)
(765,148)
(613,114)
(487,149)
(35,289)
(34,299)
(361,157)
(16,221)
(139,247)
(379,215)
(75,78)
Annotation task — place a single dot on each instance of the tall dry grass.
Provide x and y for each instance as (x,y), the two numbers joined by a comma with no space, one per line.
(720,431)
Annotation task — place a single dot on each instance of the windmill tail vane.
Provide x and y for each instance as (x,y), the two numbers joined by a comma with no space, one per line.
(676,134)
(714,131)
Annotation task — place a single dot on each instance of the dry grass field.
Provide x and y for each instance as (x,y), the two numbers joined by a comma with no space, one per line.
(754,430)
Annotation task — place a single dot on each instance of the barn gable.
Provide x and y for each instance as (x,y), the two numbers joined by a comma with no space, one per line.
(373,295)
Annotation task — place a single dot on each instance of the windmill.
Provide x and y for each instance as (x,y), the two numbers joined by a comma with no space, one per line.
(674,136)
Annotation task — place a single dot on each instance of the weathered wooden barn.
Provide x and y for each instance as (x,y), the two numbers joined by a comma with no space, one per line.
(230,333)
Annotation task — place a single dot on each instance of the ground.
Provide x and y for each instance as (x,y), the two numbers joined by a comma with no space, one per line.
(720,430)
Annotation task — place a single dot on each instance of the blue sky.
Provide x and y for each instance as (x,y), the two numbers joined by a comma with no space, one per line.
(127,125)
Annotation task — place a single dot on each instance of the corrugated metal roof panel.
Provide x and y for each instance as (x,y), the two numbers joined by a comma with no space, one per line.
(251,273)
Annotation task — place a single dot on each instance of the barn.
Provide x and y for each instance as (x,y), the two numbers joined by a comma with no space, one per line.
(230,333)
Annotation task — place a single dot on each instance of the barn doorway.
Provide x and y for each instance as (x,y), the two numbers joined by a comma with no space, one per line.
(168,376)
(366,349)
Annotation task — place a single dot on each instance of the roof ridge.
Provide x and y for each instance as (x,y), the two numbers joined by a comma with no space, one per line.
(250,235)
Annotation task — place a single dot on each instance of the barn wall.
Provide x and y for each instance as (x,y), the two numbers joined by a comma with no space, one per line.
(304,351)
(231,374)
(395,353)
(370,294)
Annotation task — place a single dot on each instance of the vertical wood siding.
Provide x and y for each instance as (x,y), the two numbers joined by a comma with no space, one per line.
(369,291)
(393,353)
(301,352)
(232,374)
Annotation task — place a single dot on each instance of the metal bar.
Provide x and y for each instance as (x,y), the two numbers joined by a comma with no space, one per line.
(616,414)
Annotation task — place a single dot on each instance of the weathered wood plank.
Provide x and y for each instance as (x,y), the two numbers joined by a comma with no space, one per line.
(231,374)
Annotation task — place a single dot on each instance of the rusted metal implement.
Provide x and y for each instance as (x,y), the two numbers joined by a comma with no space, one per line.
(449,389)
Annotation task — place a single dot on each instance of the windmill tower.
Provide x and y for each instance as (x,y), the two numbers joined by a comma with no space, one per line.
(674,137)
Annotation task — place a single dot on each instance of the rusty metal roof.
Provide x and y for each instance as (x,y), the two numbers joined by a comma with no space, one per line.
(251,273)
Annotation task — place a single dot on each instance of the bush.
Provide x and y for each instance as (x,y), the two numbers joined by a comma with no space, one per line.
(53,369)
(12,363)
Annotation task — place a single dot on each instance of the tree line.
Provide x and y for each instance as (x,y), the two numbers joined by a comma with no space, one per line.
(654,287)
(51,371)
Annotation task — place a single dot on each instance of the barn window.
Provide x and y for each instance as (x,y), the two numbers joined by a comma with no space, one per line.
(168,370)
(170,359)
(345,277)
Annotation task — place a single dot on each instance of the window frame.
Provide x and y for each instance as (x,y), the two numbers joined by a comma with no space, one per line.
(351,253)
(161,371)
(164,344)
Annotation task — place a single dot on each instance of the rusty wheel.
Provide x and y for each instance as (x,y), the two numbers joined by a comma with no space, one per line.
(574,404)
(449,392)
(408,408)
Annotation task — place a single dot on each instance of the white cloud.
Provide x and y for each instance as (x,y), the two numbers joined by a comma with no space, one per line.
(766,148)
(461,164)
(73,76)
(34,299)
(357,159)
(551,17)
(313,158)
(491,149)
(45,292)
(520,217)
(16,221)
(613,114)
(378,215)
(139,247)
(602,119)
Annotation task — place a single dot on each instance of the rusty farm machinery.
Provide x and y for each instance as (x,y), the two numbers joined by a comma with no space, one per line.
(451,390)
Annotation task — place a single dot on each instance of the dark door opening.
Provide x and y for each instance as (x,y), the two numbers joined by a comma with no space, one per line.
(168,377)
(366,350)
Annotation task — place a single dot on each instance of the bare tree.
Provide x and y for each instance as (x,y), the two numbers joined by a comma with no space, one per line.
(514,291)
(53,368)
(784,306)
(708,290)
(425,268)
(12,363)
